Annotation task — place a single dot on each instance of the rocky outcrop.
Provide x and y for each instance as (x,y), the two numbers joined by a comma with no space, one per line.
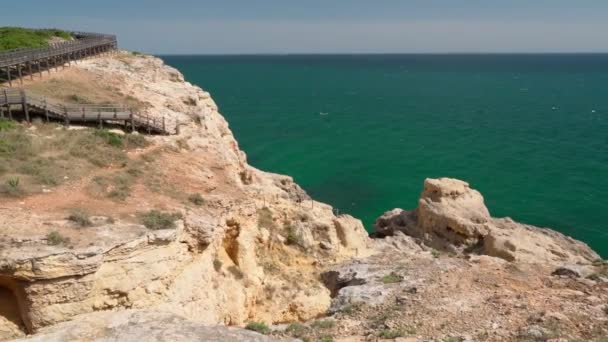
(136,325)
(453,217)
(251,251)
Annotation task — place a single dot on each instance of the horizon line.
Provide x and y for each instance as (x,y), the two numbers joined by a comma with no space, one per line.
(379,53)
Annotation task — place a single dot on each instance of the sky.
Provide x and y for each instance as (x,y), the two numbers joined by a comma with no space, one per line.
(329,26)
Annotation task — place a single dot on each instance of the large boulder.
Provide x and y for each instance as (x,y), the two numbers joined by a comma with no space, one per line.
(453,217)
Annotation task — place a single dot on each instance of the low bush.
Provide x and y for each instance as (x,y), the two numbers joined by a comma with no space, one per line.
(259,327)
(325,324)
(6,124)
(196,199)
(156,220)
(297,330)
(390,334)
(392,278)
(13,187)
(80,217)
(54,238)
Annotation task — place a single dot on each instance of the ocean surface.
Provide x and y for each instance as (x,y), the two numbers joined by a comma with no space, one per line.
(362,132)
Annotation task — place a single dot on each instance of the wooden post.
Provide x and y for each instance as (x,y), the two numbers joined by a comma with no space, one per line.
(148,122)
(48,65)
(8,73)
(67,117)
(19,73)
(46,111)
(24,104)
(132,122)
(29,69)
(39,69)
(8,106)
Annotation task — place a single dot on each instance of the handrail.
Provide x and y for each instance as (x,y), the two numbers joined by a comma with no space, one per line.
(86,112)
(83,41)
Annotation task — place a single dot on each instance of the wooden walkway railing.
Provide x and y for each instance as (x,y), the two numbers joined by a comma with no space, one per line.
(67,113)
(14,63)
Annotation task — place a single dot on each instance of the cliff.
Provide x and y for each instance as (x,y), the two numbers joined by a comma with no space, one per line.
(249,244)
(176,234)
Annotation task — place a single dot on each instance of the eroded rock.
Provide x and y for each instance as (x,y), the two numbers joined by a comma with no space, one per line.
(453,217)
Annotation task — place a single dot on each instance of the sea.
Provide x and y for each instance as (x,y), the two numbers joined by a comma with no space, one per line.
(362,132)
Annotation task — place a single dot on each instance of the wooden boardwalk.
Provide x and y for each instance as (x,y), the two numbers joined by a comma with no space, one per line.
(15,64)
(67,113)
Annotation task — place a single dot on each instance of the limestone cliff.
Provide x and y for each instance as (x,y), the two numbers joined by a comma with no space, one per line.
(250,249)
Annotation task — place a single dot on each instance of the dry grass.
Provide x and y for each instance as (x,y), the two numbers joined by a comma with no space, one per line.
(49,155)
(79,86)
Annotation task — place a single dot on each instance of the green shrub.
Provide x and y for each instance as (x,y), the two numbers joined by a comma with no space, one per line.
(6,124)
(325,324)
(259,327)
(110,138)
(54,238)
(326,338)
(298,330)
(351,308)
(16,143)
(196,199)
(43,169)
(13,187)
(435,253)
(390,334)
(80,217)
(135,141)
(392,278)
(156,220)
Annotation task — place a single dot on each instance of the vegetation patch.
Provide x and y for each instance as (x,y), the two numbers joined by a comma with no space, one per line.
(351,308)
(265,219)
(18,38)
(297,330)
(54,238)
(6,124)
(391,333)
(324,324)
(392,278)
(156,220)
(81,217)
(196,199)
(258,327)
(12,187)
(116,186)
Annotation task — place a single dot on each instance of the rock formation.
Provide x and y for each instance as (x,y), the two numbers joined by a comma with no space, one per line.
(251,251)
(453,217)
(137,325)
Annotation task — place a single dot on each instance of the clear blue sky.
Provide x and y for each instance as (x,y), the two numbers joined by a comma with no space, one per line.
(326,26)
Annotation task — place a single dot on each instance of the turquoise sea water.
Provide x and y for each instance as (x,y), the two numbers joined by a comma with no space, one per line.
(362,132)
